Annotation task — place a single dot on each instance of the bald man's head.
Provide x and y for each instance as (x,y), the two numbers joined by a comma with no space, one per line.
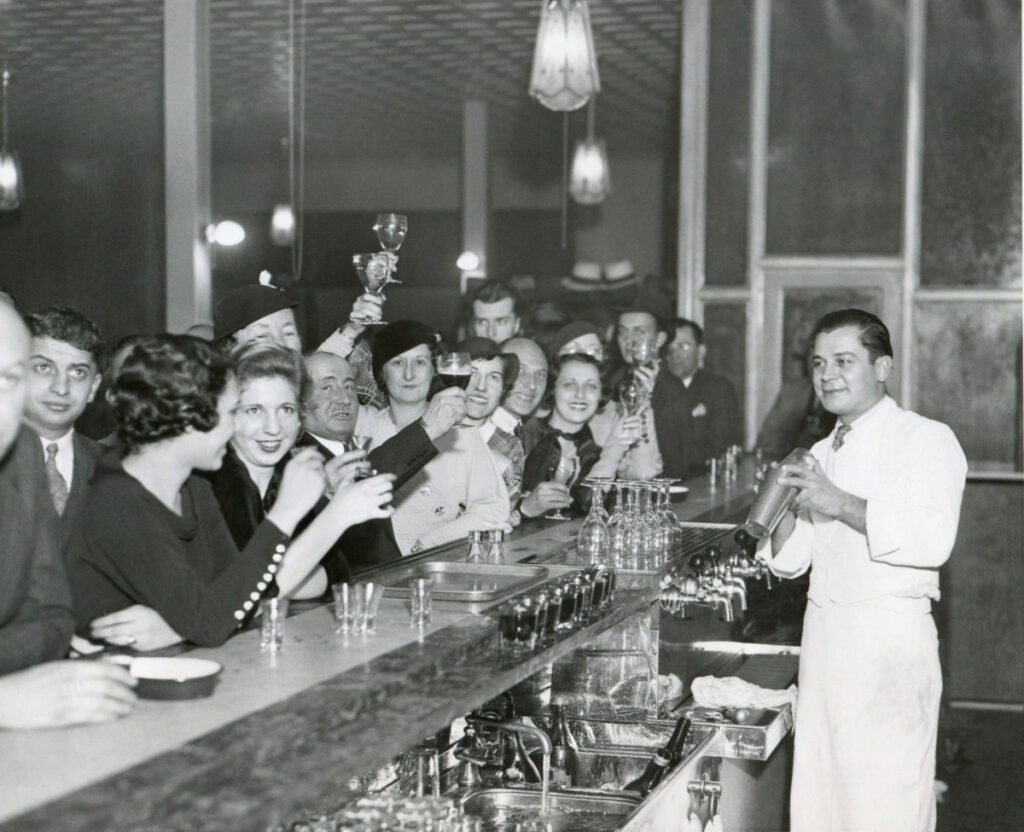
(529,387)
(14,348)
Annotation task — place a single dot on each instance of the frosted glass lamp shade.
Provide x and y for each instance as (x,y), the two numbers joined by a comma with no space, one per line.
(282,225)
(12,184)
(590,180)
(564,61)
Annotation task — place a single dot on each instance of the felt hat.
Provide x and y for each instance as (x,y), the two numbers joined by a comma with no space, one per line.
(245,305)
(398,337)
(571,331)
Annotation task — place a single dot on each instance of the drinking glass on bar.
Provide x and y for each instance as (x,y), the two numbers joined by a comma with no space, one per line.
(420,592)
(273,613)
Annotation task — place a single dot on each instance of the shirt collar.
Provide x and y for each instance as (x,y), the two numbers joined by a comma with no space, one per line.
(333,445)
(65,445)
(501,418)
(877,415)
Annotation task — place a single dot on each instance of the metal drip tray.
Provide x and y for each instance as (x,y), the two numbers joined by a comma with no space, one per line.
(469,586)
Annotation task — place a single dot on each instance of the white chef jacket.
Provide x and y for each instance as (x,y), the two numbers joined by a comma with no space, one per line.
(911,471)
(870,681)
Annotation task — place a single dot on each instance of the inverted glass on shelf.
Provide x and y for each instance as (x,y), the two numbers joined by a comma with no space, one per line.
(592,539)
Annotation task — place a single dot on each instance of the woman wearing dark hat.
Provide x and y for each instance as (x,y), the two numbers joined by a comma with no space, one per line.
(461,489)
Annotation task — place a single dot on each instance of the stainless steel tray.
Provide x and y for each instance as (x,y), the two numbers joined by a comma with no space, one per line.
(475,584)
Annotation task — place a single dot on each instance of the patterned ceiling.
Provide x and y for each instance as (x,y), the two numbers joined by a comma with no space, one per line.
(385,79)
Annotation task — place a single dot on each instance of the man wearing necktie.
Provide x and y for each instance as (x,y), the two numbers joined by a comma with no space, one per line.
(873,520)
(64,374)
(37,690)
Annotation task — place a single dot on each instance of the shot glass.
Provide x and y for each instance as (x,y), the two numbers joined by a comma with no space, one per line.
(420,592)
(345,604)
(273,614)
(371,594)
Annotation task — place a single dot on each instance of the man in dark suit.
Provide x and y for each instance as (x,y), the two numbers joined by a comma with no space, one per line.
(329,416)
(717,421)
(36,621)
(63,377)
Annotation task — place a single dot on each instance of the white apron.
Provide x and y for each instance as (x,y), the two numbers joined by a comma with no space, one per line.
(867,719)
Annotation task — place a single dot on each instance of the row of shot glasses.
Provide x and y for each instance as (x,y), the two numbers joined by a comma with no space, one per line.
(533,619)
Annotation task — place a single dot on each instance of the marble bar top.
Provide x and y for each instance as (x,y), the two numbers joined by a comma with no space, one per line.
(283,730)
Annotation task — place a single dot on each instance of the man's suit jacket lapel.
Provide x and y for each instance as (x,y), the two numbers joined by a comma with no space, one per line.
(87,452)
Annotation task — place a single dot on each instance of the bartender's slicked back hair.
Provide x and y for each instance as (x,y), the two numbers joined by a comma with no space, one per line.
(874,335)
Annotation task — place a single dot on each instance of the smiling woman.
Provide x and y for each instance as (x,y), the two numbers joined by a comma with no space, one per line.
(152,533)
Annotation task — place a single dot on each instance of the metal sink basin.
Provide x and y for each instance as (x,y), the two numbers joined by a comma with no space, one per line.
(568,809)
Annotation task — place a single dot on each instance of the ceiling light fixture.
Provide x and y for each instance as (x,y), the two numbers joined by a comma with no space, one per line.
(564,73)
(590,180)
(12,184)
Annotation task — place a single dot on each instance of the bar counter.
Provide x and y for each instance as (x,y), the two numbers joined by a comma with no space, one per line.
(283,732)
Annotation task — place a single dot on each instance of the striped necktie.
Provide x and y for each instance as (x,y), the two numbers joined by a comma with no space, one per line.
(55,480)
(840,437)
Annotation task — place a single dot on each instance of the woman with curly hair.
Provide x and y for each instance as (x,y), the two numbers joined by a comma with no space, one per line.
(152,532)
(273,382)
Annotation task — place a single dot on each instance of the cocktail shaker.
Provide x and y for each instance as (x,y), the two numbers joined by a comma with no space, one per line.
(774,499)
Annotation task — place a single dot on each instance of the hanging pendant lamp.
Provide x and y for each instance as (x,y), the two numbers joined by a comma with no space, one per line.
(590,179)
(564,73)
(12,184)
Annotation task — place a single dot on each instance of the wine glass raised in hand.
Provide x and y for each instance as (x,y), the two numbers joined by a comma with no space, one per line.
(455,369)
(391,230)
(633,395)
(564,473)
(373,272)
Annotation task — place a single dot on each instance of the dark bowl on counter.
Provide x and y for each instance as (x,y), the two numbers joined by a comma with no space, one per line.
(175,677)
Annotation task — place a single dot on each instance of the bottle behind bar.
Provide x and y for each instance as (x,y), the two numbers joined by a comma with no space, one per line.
(664,759)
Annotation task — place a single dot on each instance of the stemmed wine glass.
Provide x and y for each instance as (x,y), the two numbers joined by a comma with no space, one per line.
(391,230)
(374,273)
(455,369)
(564,472)
(633,393)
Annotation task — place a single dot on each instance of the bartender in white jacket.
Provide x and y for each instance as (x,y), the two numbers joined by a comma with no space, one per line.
(874,520)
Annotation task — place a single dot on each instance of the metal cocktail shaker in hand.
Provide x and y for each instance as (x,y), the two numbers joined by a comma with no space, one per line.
(773,499)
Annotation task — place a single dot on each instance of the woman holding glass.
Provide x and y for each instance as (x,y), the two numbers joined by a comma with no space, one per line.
(461,489)
(273,383)
(152,532)
(565,433)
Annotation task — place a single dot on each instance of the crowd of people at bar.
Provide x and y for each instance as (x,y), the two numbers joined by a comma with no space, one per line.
(241,467)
